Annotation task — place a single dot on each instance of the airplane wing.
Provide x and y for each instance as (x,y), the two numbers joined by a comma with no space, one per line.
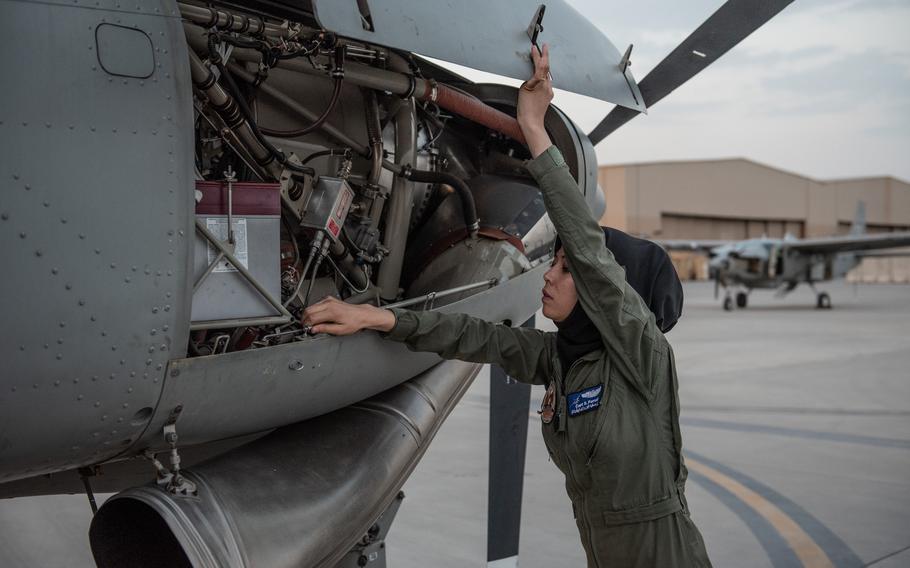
(703,245)
(850,243)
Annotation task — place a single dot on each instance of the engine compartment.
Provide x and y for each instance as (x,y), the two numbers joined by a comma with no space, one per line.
(400,183)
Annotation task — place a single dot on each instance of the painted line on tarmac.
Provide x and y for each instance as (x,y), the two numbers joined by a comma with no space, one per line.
(779,552)
(796,410)
(797,433)
(809,542)
(797,543)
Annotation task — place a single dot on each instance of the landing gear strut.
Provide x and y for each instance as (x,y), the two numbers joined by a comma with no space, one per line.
(728,302)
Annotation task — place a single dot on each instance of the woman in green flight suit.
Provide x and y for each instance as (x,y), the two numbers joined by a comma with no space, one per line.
(611,412)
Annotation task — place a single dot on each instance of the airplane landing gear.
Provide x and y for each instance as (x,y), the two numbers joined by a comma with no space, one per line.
(728,303)
(822,299)
(742,299)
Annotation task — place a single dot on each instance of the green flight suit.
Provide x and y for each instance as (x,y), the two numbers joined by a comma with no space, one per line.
(623,459)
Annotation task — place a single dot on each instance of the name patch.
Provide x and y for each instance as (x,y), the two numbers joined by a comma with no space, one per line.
(585,400)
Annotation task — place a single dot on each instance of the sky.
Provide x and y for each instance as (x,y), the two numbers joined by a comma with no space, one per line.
(822,90)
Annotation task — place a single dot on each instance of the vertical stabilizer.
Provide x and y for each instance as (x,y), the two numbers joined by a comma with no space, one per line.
(859,219)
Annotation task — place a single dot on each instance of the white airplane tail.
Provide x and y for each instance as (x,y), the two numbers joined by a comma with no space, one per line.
(859,219)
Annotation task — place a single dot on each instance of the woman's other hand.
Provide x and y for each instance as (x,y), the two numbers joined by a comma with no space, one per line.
(331,315)
(534,98)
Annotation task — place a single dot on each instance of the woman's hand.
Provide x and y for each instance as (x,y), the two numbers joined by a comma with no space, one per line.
(534,98)
(331,315)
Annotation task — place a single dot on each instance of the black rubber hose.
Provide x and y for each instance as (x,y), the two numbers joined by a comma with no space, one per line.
(336,94)
(338,74)
(346,152)
(468,207)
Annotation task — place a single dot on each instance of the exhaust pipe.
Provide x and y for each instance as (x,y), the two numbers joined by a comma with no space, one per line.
(300,496)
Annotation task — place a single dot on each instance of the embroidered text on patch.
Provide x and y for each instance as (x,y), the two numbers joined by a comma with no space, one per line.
(585,400)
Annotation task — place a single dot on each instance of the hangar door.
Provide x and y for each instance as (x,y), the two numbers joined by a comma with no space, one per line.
(726,228)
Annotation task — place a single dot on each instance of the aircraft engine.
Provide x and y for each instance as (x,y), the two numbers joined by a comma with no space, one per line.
(264,163)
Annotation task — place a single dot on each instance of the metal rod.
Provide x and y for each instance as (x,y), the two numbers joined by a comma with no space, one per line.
(84,473)
(208,271)
(230,178)
(242,269)
(400,200)
(436,295)
(241,322)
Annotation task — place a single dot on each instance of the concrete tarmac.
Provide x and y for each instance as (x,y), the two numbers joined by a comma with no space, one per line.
(796,427)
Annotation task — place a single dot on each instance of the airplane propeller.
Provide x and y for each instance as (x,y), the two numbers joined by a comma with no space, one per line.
(728,26)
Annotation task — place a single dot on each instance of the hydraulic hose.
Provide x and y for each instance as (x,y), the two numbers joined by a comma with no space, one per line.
(346,152)
(245,111)
(468,208)
(336,94)
(473,109)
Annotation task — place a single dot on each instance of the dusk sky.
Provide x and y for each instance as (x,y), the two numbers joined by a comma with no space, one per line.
(822,90)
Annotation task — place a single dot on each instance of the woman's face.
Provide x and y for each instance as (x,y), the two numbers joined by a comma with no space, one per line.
(559,296)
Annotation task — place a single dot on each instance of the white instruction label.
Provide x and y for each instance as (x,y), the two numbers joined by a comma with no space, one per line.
(219,228)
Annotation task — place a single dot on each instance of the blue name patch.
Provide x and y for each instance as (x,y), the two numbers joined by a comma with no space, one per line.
(585,401)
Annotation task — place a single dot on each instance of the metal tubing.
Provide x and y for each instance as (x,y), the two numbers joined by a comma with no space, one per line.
(371,294)
(230,138)
(242,269)
(344,261)
(400,203)
(211,18)
(355,73)
(434,295)
(400,82)
(241,322)
(224,103)
(293,105)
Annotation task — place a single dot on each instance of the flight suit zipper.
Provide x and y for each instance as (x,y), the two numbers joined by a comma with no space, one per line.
(575,484)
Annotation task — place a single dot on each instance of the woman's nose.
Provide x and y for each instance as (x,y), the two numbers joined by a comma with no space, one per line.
(548,276)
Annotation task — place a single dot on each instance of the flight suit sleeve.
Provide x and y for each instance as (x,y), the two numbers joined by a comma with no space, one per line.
(626,324)
(523,353)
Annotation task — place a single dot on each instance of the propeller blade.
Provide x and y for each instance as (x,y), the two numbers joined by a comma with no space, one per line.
(728,26)
(509,403)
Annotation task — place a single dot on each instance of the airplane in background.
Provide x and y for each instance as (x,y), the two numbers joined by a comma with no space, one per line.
(783,264)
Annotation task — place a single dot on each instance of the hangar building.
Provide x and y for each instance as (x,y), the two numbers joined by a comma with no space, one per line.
(734,199)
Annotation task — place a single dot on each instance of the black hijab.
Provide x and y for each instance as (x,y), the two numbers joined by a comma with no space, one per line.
(649,272)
